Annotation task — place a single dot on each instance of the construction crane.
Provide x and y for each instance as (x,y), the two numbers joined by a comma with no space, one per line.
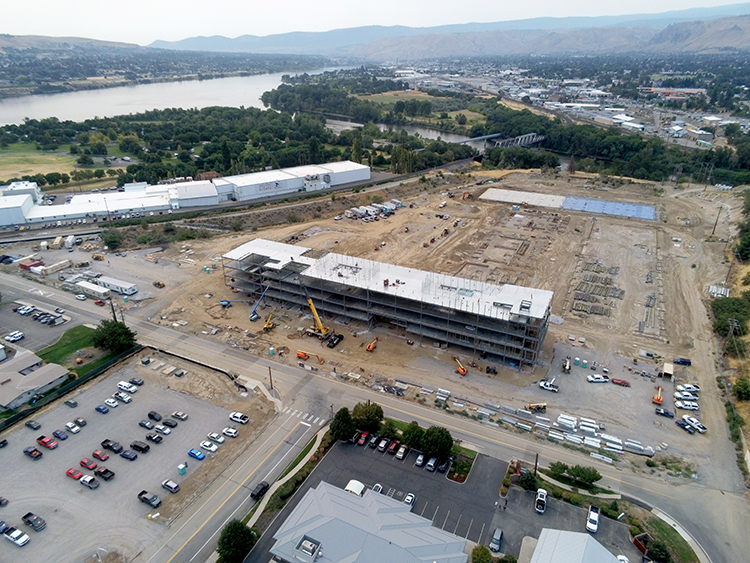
(372,345)
(317,329)
(461,369)
(658,399)
(253,315)
(306,356)
(269,325)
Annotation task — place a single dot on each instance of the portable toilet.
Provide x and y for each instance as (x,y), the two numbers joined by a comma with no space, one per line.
(577,361)
(584,363)
(182,468)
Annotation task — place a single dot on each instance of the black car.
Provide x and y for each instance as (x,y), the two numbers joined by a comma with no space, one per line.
(33,424)
(148,425)
(136,381)
(71,403)
(685,426)
(80,422)
(3,443)
(153,415)
(334,340)
(169,422)
(664,412)
(104,473)
(130,455)
(114,447)
(444,465)
(155,438)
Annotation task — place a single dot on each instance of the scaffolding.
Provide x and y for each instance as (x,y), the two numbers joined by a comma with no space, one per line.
(506,322)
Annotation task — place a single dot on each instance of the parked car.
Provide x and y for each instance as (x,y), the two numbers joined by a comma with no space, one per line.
(685,396)
(81,297)
(170,485)
(74,473)
(60,435)
(682,361)
(161,429)
(597,378)
(147,424)
(100,455)
(620,382)
(33,424)
(664,412)
(216,437)
(444,465)
(120,396)
(689,388)
(209,446)
(432,464)
(99,302)
(230,431)
(130,455)
(695,423)
(72,403)
(127,387)
(101,408)
(155,438)
(393,448)
(170,422)
(378,488)
(104,473)
(363,438)
(409,499)
(33,453)
(239,417)
(420,460)
(72,427)
(81,422)
(402,451)
(16,536)
(114,447)
(89,481)
(687,405)
(383,444)
(179,415)
(153,415)
(197,454)
(136,381)
(111,403)
(497,540)
(88,463)
(685,426)
(374,441)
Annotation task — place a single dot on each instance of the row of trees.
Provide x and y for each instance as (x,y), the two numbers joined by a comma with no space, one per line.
(436,441)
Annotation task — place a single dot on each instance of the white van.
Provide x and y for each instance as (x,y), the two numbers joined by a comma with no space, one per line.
(127,387)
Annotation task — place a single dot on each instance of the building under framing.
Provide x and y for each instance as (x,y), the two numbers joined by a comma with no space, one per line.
(508,322)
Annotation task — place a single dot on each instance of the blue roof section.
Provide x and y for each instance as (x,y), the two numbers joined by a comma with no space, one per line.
(609,208)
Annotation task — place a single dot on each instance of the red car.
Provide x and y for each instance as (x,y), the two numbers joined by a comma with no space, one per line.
(47,442)
(74,473)
(621,382)
(99,302)
(363,438)
(100,455)
(394,447)
(88,463)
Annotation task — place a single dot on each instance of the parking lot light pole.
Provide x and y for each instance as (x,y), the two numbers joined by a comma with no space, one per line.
(112,305)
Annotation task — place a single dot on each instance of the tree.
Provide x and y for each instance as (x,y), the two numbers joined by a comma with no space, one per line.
(528,481)
(437,442)
(235,542)
(558,468)
(507,559)
(657,550)
(85,160)
(367,416)
(114,336)
(461,119)
(389,430)
(481,554)
(742,389)
(586,475)
(413,435)
(343,427)
(112,238)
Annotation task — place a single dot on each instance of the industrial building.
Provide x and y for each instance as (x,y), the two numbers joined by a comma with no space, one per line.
(26,375)
(22,203)
(506,321)
(361,529)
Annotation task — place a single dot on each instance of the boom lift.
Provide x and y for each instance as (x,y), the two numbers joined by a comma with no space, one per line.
(255,316)
(461,369)
(306,356)
(658,399)
(372,345)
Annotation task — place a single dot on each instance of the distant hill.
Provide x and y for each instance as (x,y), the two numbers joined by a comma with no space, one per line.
(56,43)
(381,42)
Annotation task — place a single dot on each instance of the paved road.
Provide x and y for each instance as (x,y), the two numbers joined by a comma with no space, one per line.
(689,503)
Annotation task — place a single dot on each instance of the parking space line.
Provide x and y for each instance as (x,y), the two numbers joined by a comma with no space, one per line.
(481,533)
(457,523)
(469,530)
(445,521)
(435,514)
(283,441)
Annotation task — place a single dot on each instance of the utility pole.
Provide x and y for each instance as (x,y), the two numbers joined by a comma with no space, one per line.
(713,232)
(112,305)
(270,377)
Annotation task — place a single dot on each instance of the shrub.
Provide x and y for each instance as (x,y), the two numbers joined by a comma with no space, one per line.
(528,481)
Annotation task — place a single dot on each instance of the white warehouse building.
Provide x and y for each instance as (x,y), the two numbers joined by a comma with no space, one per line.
(20,202)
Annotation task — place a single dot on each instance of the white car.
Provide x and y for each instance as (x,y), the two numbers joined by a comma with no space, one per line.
(161,429)
(16,536)
(596,378)
(687,405)
(409,499)
(15,336)
(685,396)
(695,423)
(689,388)
(128,387)
(81,297)
(72,427)
(239,417)
(209,446)
(230,431)
(215,437)
(111,403)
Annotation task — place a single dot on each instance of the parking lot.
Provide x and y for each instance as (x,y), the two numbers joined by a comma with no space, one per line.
(36,334)
(466,509)
(80,520)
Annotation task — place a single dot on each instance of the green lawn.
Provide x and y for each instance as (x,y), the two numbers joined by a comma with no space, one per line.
(301,455)
(74,339)
(21,159)
(678,547)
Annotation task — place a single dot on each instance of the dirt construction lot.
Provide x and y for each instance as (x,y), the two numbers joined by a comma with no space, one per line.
(622,287)
(112,516)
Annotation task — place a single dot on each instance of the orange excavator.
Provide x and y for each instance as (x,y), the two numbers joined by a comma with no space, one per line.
(372,345)
(306,356)
(461,369)
(658,399)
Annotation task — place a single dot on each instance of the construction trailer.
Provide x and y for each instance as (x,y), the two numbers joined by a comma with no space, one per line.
(506,322)
(92,290)
(118,286)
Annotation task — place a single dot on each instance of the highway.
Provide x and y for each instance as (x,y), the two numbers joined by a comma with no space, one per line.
(307,397)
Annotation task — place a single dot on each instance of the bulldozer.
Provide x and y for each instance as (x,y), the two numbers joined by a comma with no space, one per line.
(461,369)
(159,284)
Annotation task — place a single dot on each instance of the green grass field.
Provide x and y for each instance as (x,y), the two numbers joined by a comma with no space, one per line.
(23,159)
(72,340)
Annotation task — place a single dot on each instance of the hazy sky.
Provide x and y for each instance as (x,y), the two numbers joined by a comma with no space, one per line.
(143,21)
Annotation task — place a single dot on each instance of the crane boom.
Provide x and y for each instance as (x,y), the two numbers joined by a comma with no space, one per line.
(255,316)
(318,329)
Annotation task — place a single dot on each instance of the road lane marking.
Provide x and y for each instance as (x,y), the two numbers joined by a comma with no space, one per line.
(306,424)
(232,494)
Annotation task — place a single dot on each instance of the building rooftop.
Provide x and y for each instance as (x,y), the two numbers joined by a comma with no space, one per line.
(24,372)
(368,529)
(559,546)
(489,300)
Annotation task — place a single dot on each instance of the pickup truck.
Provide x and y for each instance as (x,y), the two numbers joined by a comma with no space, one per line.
(33,453)
(549,385)
(152,500)
(541,501)
(36,522)
(47,442)
(592,520)
(104,473)
(16,536)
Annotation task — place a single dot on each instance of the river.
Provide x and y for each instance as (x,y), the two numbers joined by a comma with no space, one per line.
(235,91)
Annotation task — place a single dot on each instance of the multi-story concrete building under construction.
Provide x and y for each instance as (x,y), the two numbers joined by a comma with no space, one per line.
(507,322)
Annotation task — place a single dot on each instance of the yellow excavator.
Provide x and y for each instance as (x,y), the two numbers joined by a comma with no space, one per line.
(317,329)
(269,326)
(461,369)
